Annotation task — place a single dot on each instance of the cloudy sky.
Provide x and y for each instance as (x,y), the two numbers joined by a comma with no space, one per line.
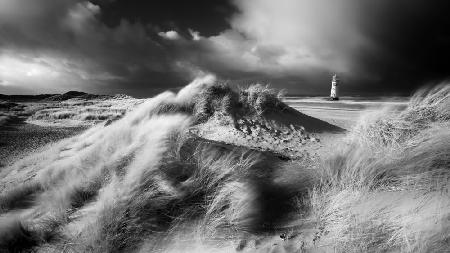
(143,47)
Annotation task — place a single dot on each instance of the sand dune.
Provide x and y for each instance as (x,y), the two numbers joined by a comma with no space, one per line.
(214,169)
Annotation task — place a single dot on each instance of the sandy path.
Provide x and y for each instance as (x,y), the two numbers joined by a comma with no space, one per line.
(18,139)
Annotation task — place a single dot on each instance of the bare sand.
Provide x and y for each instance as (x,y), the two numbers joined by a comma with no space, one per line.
(345,112)
(28,126)
(18,139)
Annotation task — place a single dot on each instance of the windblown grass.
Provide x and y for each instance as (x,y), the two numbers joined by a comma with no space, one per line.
(143,182)
(427,107)
(388,189)
(115,188)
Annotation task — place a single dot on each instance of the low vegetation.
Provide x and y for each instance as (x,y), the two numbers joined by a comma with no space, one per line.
(80,112)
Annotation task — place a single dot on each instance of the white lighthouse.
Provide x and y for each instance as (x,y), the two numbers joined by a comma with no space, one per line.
(334,95)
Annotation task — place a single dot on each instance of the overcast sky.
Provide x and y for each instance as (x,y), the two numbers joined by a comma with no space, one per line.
(143,47)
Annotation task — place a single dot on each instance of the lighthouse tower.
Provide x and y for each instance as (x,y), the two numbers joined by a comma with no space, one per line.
(334,95)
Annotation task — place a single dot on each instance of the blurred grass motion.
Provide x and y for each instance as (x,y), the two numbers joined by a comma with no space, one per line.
(388,188)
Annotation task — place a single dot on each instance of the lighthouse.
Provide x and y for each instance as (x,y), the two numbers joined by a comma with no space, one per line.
(334,95)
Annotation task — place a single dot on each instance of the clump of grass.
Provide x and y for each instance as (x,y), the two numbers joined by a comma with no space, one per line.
(173,108)
(427,107)
(20,197)
(173,192)
(15,236)
(261,98)
(225,101)
(388,188)
(215,98)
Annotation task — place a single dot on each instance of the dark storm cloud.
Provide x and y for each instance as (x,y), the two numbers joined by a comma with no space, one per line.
(207,16)
(377,46)
(413,43)
(139,47)
(55,47)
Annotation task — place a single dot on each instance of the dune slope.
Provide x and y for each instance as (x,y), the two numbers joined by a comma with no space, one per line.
(126,184)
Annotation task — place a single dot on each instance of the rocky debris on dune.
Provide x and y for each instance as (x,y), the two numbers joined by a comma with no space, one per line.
(278,133)
(260,134)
